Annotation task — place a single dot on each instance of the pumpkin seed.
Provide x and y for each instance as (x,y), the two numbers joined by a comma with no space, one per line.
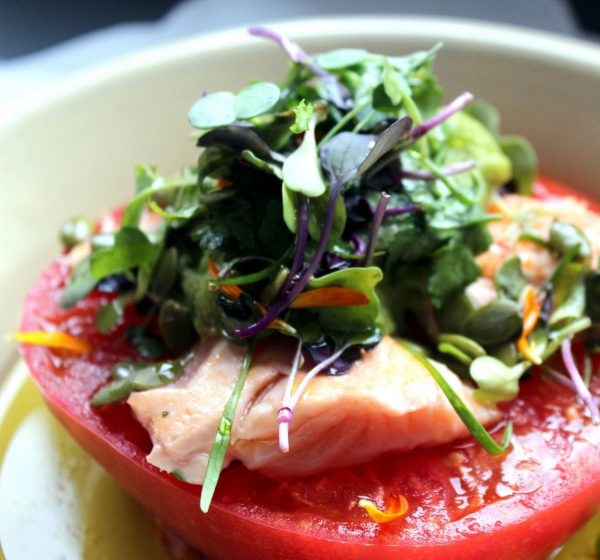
(495,323)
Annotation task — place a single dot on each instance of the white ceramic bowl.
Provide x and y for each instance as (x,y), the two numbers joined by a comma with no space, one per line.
(72,150)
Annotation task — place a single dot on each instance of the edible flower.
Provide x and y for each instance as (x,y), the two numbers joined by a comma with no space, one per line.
(231,291)
(331,296)
(531,315)
(58,340)
(396,507)
(222,183)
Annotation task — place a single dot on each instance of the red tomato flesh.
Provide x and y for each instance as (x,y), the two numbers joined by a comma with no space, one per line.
(463,503)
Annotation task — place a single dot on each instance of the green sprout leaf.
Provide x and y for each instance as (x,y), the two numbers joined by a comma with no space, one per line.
(524,162)
(569,294)
(393,85)
(302,168)
(109,314)
(259,163)
(496,381)
(132,249)
(304,112)
(474,426)
(223,107)
(566,238)
(453,268)
(213,110)
(344,153)
(340,58)
(510,279)
(221,443)
(81,283)
(485,113)
(255,100)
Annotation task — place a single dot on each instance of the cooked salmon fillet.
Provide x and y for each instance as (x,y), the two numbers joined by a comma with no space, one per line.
(387,401)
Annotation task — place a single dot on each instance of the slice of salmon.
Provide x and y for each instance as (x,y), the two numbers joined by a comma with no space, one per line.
(386,402)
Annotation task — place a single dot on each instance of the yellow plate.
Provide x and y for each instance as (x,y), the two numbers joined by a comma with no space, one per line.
(55,502)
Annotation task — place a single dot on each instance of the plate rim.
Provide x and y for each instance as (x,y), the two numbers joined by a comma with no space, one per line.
(510,37)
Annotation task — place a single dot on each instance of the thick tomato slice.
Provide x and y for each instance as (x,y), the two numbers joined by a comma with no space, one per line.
(463,503)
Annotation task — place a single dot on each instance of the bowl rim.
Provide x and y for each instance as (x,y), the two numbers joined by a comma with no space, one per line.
(513,39)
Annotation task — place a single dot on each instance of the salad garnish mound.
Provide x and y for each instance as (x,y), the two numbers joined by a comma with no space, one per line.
(344,205)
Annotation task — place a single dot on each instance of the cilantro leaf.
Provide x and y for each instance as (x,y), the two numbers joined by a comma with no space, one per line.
(132,249)
(454,267)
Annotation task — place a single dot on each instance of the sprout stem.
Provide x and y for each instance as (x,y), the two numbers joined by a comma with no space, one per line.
(453,107)
(375,224)
(284,416)
(582,390)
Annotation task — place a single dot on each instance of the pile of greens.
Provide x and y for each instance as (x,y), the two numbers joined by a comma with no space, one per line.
(287,198)
(341,205)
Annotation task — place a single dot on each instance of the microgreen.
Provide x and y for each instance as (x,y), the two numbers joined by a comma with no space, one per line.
(272,168)
(223,436)
(302,170)
(523,160)
(474,426)
(336,92)
(453,267)
(496,381)
(224,108)
(255,100)
(340,58)
(466,345)
(377,219)
(253,277)
(81,283)
(582,390)
(566,238)
(132,249)
(238,137)
(109,314)
(304,112)
(344,153)
(76,230)
(291,400)
(453,107)
(510,279)
(284,416)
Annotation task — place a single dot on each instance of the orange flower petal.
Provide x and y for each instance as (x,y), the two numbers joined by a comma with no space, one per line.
(527,350)
(232,292)
(396,507)
(332,296)
(57,340)
(531,316)
(222,183)
(212,267)
(531,310)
